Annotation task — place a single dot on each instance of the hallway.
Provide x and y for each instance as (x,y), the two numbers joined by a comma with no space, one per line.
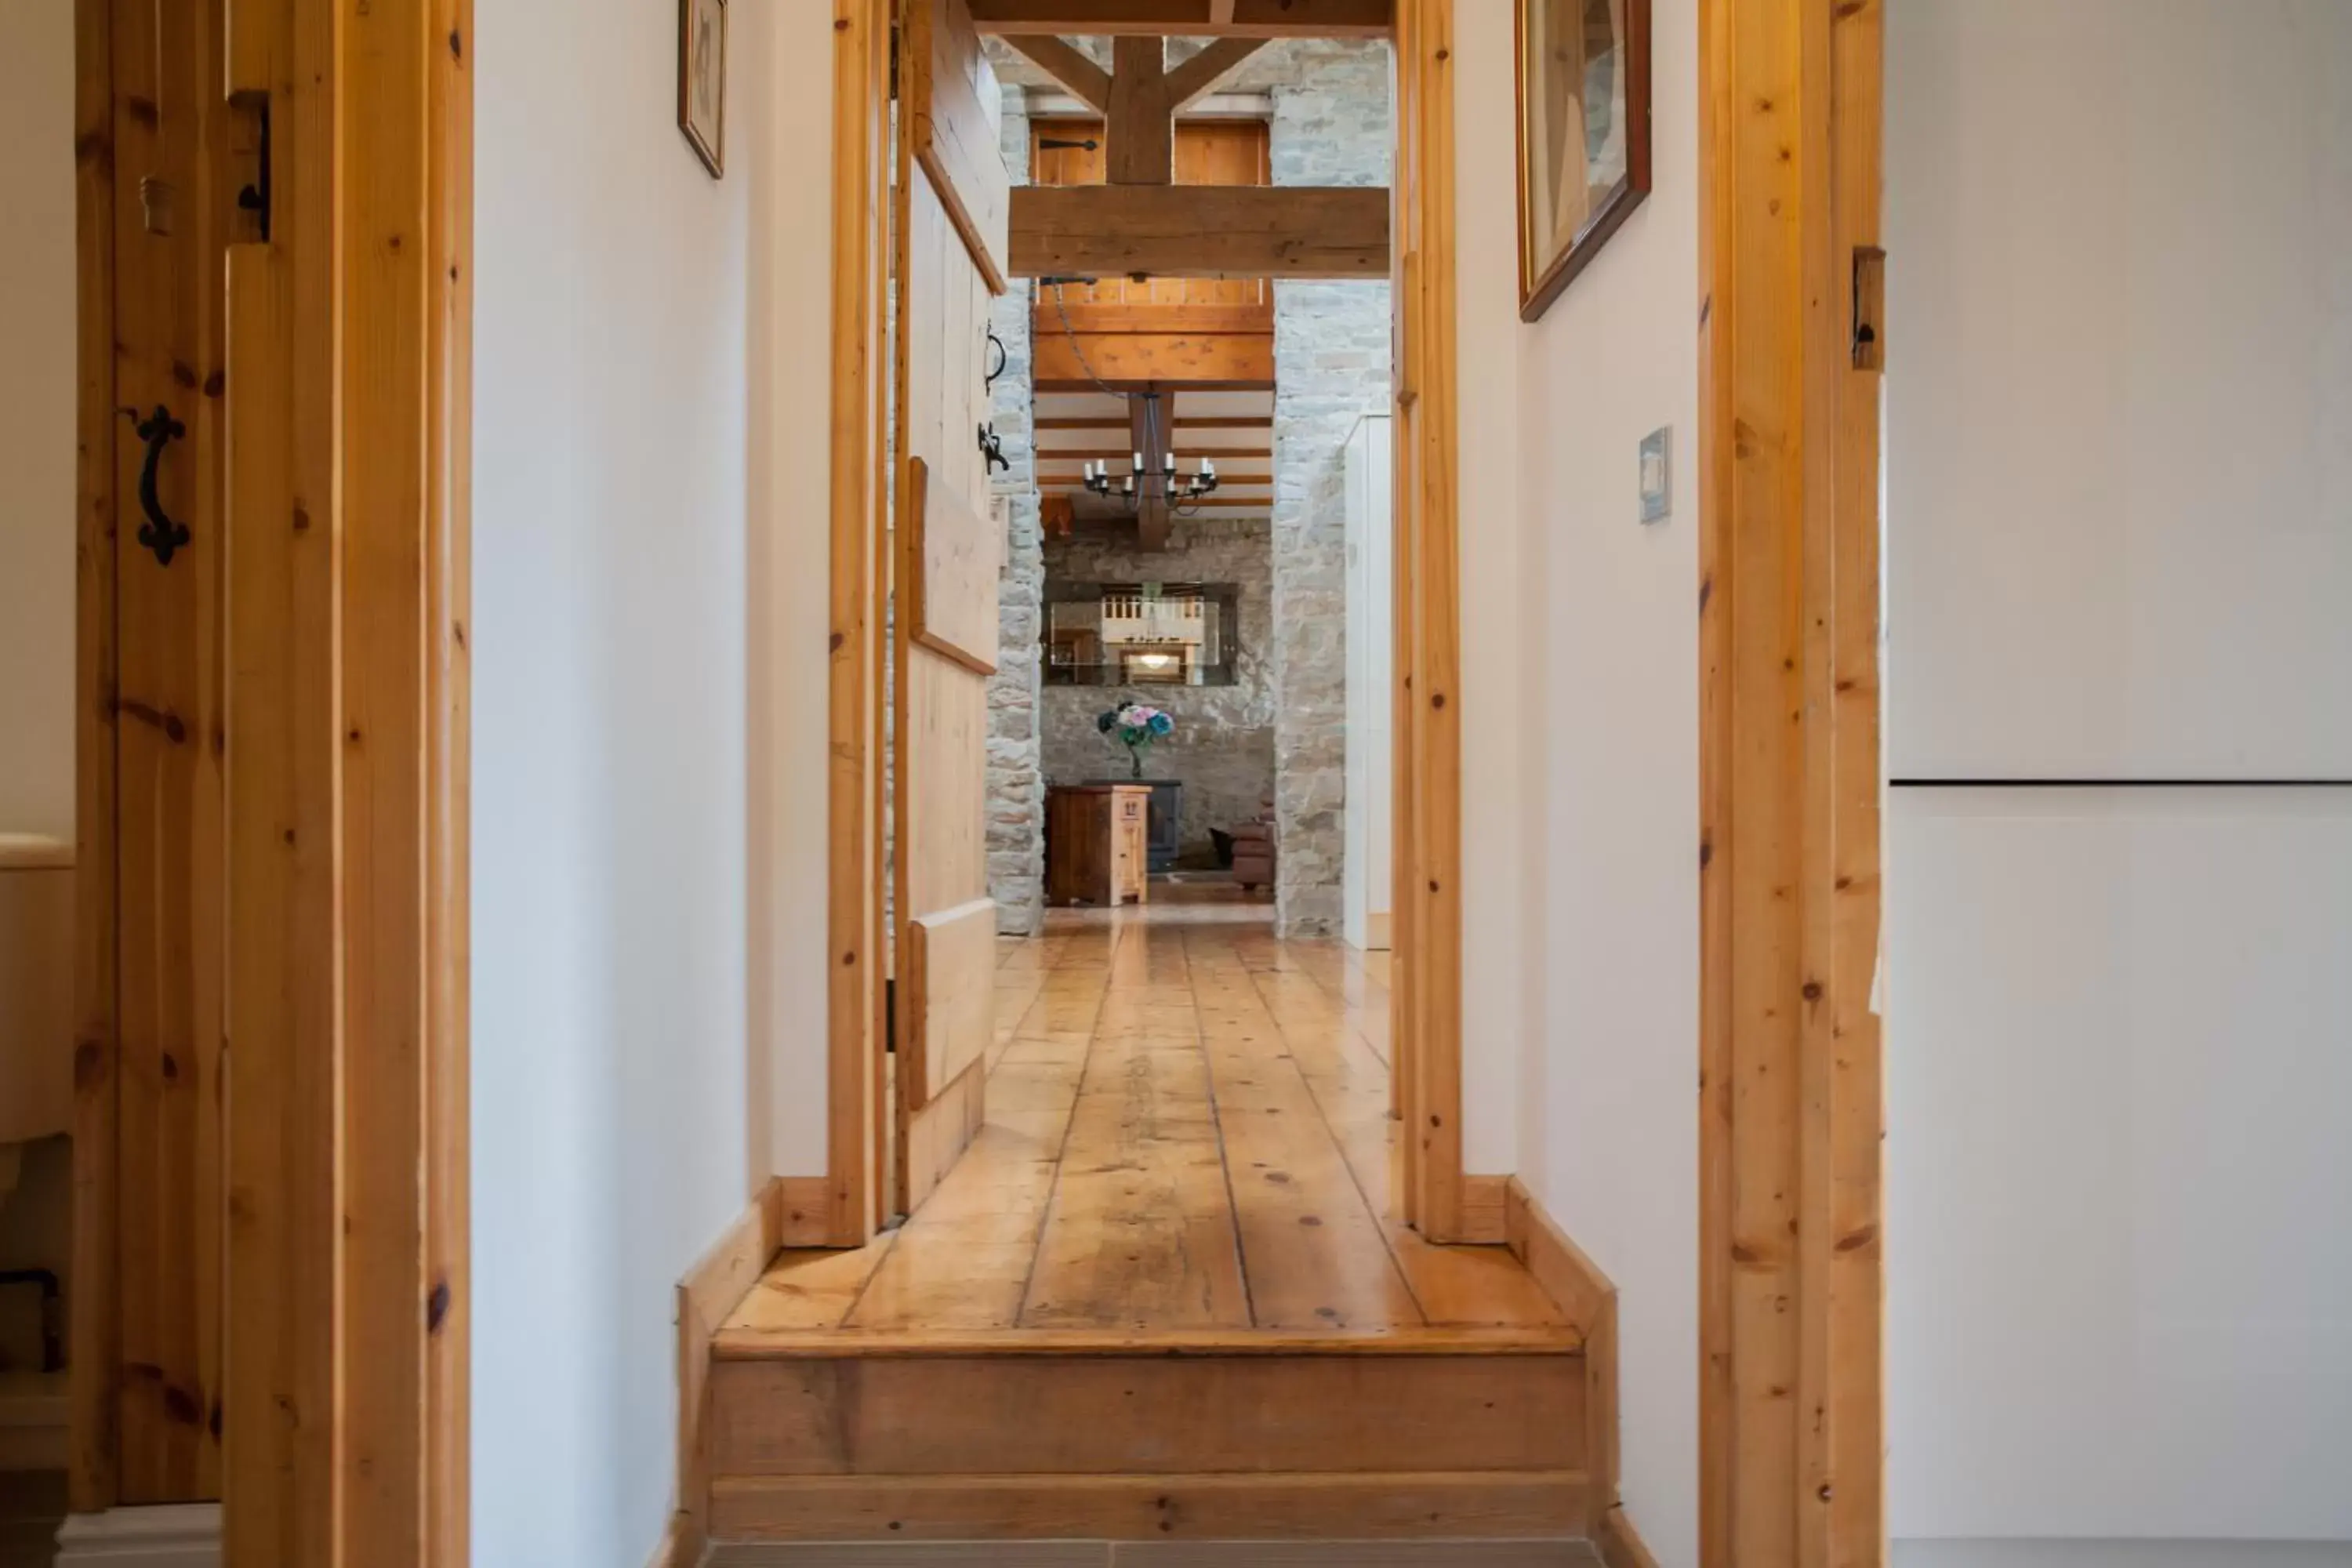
(1187,1135)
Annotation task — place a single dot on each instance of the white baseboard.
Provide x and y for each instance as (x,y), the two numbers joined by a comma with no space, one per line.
(179,1535)
(2122,1554)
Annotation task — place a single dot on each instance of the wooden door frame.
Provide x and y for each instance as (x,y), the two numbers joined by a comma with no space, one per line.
(343,1404)
(1791,1470)
(1791,1229)
(1426,1002)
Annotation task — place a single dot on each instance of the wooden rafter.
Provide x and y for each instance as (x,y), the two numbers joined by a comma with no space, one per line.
(1190,18)
(1200,231)
(1201,73)
(1087,81)
(1141,128)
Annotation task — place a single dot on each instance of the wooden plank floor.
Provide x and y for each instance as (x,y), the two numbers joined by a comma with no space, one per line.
(1188,1141)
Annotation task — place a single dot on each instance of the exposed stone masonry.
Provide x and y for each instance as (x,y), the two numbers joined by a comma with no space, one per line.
(1223,745)
(1016,787)
(1332,353)
(1332,126)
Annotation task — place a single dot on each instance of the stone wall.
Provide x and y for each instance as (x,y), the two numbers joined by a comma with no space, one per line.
(1016,786)
(1332,126)
(1225,741)
(1332,353)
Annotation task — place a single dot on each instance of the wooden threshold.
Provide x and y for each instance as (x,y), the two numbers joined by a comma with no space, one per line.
(757,1345)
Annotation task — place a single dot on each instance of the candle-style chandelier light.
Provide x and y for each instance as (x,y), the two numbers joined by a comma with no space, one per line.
(1138,484)
(1144,481)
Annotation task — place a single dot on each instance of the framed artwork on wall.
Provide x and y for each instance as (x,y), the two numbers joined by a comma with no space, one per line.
(1584,135)
(702,80)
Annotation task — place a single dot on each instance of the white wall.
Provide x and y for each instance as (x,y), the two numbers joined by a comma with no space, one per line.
(1498,881)
(630,518)
(1595,867)
(36,418)
(2121,233)
(2119,543)
(1367,882)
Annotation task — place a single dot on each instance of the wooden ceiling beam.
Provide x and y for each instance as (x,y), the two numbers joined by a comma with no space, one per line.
(1198,74)
(1205,422)
(1140,124)
(1200,231)
(1087,81)
(1148,431)
(1189,18)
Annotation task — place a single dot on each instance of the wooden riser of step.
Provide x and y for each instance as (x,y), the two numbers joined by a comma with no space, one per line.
(1512,1505)
(1108,1444)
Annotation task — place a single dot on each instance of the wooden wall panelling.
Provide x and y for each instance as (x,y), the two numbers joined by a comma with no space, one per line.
(448,615)
(169,224)
(95,1353)
(854,1028)
(1790,1271)
(281,1482)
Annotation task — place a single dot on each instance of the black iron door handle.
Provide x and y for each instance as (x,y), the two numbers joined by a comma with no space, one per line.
(159,533)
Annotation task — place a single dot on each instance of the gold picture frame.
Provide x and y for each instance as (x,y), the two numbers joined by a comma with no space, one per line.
(702,80)
(1582,88)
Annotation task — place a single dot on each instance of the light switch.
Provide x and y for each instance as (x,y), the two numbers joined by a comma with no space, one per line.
(1657,475)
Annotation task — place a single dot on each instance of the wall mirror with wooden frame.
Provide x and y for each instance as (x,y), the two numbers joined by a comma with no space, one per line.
(1142,633)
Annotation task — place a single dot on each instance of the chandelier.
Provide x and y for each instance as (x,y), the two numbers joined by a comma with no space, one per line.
(1138,484)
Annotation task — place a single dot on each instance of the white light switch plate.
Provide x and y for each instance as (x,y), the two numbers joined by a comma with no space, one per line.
(1658,474)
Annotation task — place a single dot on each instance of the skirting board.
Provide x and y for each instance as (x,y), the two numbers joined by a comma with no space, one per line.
(1621,1544)
(2122,1554)
(709,1294)
(1590,1299)
(179,1535)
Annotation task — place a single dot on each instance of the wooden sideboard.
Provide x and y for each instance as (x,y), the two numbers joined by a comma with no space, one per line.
(1097,846)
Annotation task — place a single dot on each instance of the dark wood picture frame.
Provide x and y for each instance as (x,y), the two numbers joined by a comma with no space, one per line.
(711,149)
(1539,285)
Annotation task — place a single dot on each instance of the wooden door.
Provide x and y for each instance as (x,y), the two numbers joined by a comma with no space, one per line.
(148,1346)
(951,202)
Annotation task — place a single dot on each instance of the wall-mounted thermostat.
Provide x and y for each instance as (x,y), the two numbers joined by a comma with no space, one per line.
(1657,475)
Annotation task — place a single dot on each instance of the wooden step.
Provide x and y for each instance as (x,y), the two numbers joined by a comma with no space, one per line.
(1100,1436)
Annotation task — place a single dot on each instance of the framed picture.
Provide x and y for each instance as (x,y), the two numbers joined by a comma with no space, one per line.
(1584,135)
(702,80)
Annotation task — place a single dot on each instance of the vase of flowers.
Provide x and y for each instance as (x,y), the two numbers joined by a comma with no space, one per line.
(1135,725)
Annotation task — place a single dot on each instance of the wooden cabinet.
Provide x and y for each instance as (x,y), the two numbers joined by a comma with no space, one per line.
(1096,843)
